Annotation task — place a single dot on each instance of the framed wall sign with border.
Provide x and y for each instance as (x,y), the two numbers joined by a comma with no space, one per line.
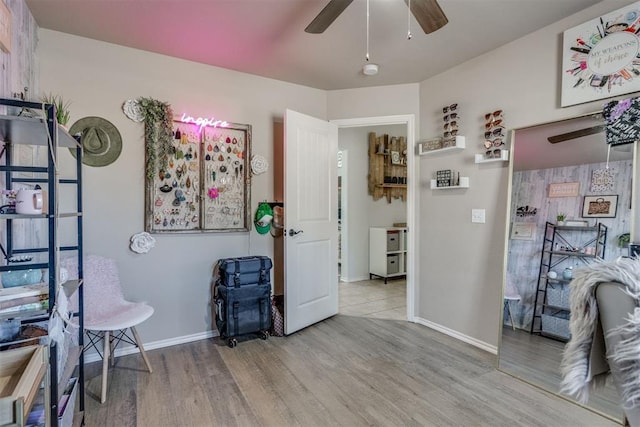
(523,230)
(206,184)
(599,57)
(600,206)
(395,157)
(564,189)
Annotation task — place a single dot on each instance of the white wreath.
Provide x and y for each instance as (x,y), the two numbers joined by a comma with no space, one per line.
(142,243)
(132,110)
(259,165)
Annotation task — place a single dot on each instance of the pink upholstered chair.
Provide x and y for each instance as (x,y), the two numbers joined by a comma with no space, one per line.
(107,315)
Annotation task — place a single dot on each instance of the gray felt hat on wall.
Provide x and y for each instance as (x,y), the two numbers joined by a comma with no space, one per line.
(101,141)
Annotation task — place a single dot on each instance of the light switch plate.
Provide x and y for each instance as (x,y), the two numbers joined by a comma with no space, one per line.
(478,215)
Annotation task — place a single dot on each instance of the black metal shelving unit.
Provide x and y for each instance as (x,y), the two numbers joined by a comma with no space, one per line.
(39,127)
(562,244)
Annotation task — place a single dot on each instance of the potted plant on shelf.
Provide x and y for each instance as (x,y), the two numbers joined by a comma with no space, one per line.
(623,240)
(560,219)
(62,108)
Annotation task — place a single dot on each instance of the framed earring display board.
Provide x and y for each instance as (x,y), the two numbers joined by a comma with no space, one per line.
(205,186)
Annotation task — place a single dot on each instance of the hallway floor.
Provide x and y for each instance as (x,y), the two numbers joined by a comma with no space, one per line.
(372,298)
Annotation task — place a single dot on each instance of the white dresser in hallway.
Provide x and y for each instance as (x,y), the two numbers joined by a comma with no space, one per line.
(387,252)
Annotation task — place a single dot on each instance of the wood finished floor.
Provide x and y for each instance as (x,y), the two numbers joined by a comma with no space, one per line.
(345,371)
(537,359)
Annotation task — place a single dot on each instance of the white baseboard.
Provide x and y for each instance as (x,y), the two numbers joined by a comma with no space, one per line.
(353,279)
(94,357)
(457,335)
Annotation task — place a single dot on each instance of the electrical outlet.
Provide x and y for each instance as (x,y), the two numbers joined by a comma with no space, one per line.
(478,215)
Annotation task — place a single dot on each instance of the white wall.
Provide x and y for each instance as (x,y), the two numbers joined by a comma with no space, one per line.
(462,263)
(374,101)
(97,78)
(361,211)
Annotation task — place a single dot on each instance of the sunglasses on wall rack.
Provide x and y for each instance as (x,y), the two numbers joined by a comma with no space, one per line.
(452,116)
(496,133)
(493,154)
(451,133)
(451,107)
(494,143)
(449,125)
(493,123)
(494,115)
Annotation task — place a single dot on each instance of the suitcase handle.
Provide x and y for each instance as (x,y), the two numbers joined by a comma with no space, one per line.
(236,305)
(260,305)
(262,271)
(236,276)
(219,309)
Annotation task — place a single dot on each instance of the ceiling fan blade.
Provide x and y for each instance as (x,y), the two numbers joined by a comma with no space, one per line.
(428,14)
(331,11)
(576,134)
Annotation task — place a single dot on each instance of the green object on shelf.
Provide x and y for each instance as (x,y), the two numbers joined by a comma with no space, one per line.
(15,278)
(623,240)
(62,107)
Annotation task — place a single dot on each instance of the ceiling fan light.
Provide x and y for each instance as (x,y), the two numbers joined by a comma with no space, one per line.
(370,69)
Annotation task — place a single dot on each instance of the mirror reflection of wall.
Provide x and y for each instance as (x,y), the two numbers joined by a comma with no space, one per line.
(526,351)
(531,189)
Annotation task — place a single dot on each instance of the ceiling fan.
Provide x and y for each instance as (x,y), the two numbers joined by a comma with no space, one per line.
(427,12)
(575,134)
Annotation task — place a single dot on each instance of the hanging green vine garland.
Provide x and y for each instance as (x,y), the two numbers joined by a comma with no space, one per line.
(158,133)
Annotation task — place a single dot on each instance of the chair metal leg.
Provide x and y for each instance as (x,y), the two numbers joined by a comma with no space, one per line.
(112,351)
(142,352)
(511,317)
(506,303)
(105,365)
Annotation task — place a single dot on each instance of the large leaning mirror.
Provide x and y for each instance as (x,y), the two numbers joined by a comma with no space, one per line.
(559,168)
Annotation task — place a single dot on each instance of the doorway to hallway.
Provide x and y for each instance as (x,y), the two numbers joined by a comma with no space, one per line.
(358,211)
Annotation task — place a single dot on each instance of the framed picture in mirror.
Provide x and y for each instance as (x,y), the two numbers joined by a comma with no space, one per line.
(523,230)
(600,206)
(564,189)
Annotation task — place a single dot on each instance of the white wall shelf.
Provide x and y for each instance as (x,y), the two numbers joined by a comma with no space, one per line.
(504,157)
(464,183)
(458,146)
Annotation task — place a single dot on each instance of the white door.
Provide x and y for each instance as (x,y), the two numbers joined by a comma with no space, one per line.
(311,220)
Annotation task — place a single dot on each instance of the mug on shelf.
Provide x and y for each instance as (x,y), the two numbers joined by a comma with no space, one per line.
(29,202)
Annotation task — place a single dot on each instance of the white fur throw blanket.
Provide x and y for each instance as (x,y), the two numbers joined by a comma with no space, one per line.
(577,378)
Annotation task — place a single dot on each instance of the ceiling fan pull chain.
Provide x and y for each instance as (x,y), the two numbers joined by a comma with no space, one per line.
(367,56)
(409,35)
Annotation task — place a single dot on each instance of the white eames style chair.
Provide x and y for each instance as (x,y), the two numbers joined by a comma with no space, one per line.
(107,315)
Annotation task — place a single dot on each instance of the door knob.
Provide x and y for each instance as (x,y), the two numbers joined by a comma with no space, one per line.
(292,232)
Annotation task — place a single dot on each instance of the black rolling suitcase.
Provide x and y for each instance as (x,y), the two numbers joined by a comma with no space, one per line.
(242,297)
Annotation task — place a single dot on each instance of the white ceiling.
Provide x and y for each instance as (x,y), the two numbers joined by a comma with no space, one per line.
(267,38)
